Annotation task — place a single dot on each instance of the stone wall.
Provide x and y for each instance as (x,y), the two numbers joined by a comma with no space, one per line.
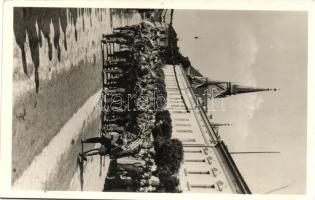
(57,67)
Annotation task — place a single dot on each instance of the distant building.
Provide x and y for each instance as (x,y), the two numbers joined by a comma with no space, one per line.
(218,89)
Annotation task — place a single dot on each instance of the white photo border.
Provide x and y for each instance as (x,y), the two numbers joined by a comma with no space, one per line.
(6,90)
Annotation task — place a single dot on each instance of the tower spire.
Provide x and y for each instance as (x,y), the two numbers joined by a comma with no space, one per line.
(238,89)
(234,89)
(214,82)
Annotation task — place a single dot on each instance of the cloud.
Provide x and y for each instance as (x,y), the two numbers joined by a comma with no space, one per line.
(248,49)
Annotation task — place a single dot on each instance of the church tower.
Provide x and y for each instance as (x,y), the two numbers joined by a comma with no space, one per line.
(220,89)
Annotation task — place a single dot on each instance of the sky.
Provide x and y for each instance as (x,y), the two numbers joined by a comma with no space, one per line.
(264,49)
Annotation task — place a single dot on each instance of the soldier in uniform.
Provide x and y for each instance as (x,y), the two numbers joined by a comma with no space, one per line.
(107,141)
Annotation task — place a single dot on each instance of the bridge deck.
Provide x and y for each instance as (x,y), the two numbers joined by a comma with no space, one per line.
(204,169)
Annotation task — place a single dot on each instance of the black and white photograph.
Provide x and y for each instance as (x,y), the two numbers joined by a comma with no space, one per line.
(158,100)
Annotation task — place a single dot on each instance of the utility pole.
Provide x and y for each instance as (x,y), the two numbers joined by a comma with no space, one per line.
(277,189)
(254,152)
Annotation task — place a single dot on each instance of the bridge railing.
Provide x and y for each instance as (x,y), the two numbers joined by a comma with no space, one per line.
(213,135)
(220,145)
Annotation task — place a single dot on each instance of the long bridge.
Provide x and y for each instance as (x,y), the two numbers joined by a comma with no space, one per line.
(208,165)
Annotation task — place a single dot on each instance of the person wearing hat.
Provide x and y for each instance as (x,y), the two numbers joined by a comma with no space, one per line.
(107,141)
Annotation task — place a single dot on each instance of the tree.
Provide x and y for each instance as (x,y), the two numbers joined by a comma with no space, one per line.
(171,184)
(163,130)
(168,182)
(163,115)
(163,124)
(168,153)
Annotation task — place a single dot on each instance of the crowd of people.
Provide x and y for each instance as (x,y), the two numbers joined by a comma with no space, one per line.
(133,93)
